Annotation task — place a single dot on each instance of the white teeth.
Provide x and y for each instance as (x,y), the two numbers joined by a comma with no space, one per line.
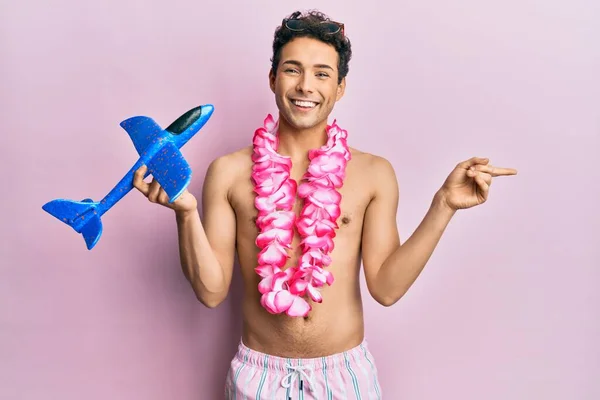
(309,104)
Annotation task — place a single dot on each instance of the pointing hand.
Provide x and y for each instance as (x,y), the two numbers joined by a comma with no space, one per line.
(469,183)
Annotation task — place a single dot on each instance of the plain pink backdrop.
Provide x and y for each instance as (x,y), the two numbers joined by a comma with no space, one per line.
(507,308)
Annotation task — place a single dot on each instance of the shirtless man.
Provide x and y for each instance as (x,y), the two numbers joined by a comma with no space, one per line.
(319,351)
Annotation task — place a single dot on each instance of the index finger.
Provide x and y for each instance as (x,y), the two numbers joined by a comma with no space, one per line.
(138,180)
(496,171)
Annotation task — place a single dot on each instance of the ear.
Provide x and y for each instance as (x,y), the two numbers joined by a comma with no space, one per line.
(341,89)
(272,80)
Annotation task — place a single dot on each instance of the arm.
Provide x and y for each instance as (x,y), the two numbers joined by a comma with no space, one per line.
(390,267)
(206,252)
(207,249)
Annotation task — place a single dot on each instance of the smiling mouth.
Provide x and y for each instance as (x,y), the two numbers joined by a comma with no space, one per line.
(304,104)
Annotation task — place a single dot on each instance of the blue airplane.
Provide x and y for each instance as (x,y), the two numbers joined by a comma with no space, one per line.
(158,150)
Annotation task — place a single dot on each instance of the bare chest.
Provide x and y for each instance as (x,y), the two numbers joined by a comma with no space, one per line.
(355,197)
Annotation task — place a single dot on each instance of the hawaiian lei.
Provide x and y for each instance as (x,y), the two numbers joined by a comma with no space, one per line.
(283,290)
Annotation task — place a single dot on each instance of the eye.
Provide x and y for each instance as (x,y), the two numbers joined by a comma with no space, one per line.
(322,74)
(291,71)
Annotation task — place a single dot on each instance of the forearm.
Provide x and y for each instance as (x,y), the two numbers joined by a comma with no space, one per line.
(400,270)
(198,261)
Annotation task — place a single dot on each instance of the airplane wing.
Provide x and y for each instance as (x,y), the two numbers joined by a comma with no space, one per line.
(143,131)
(171,170)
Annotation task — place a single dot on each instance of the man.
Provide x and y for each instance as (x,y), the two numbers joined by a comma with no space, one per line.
(302,210)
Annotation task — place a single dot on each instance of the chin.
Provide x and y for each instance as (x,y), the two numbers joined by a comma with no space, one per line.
(303,121)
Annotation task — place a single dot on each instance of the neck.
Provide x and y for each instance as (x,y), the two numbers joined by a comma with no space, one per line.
(296,143)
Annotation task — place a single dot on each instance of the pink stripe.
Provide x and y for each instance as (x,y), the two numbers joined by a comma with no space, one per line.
(348,375)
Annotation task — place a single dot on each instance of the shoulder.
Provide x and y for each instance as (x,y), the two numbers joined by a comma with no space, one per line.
(225,169)
(377,171)
(370,163)
(231,163)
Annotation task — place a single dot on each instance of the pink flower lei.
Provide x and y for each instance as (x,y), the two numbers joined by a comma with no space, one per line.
(283,290)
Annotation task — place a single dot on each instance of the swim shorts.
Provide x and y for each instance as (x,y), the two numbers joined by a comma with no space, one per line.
(345,376)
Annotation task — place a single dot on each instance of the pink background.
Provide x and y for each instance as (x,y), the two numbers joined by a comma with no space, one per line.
(507,308)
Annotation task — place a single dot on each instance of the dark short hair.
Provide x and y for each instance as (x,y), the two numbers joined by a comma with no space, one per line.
(313,29)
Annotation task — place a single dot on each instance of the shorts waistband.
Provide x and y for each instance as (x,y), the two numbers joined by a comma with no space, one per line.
(258,359)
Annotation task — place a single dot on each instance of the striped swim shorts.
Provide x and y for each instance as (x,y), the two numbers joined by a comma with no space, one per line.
(345,376)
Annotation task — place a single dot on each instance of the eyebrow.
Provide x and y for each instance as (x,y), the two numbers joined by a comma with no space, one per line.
(299,64)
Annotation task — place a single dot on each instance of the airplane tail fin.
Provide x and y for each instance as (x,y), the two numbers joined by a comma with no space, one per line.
(79,215)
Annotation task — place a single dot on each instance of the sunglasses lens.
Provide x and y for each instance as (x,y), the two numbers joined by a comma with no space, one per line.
(295,24)
(327,26)
(330,27)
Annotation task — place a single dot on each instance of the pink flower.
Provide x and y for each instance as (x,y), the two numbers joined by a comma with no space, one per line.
(322,242)
(269,123)
(274,159)
(320,276)
(316,227)
(284,198)
(329,211)
(323,197)
(273,282)
(276,219)
(277,298)
(260,140)
(300,287)
(284,301)
(319,195)
(266,163)
(283,236)
(271,184)
(314,274)
(308,279)
(266,270)
(328,166)
(274,253)
(315,256)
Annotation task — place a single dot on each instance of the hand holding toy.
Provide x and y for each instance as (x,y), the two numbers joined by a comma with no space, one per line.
(156,194)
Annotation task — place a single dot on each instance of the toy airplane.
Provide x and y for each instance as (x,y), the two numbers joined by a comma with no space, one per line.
(158,150)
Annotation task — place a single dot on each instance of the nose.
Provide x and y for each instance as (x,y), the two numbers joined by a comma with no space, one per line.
(305,84)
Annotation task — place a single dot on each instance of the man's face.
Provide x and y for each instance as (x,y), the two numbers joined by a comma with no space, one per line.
(306,84)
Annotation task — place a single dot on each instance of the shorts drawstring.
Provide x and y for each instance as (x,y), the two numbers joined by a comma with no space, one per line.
(299,372)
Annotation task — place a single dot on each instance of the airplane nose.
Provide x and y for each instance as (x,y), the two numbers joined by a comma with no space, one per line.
(186,120)
(207,109)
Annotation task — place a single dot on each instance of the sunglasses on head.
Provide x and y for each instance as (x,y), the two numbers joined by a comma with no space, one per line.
(330,27)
